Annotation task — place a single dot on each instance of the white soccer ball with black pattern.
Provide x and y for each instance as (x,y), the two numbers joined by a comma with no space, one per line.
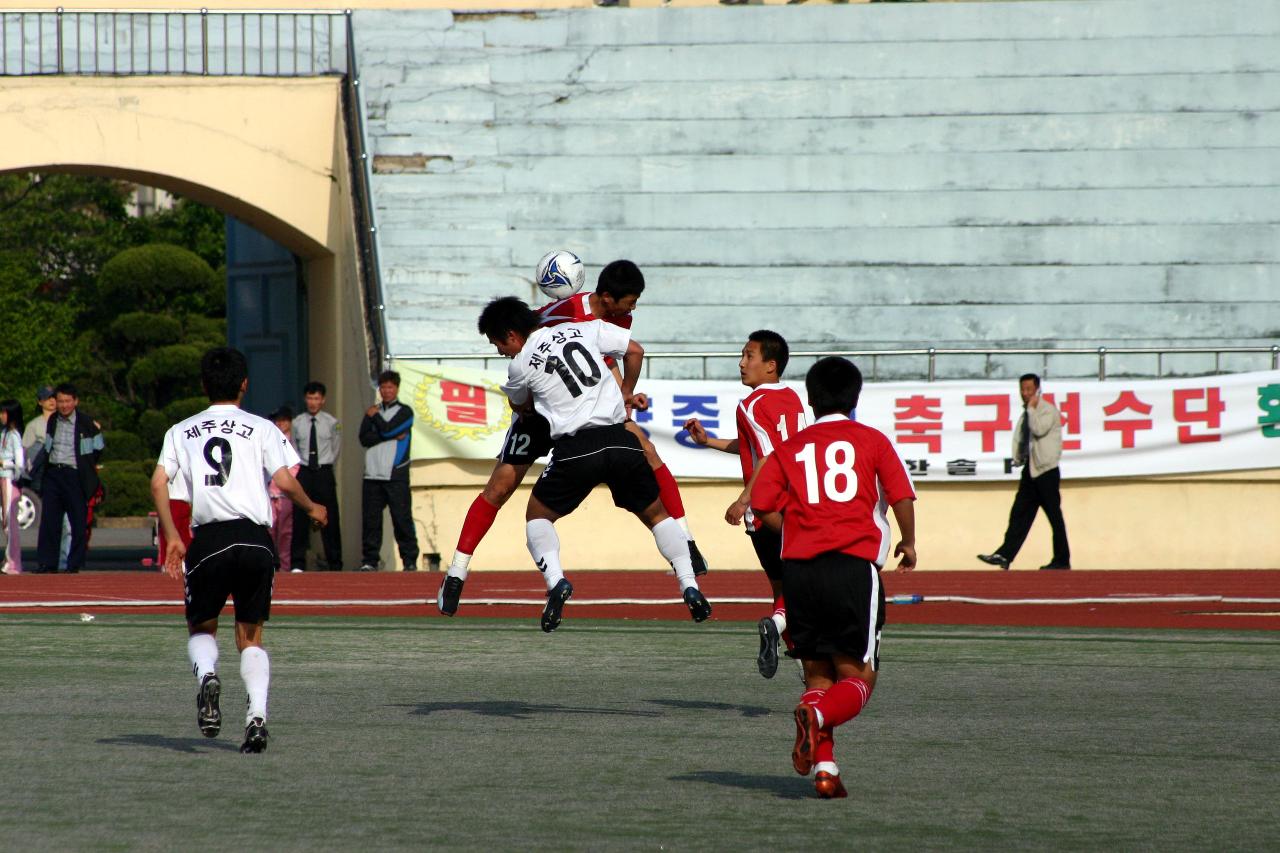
(560,274)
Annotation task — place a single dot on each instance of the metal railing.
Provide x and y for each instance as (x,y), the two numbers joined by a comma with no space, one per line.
(204,42)
(366,222)
(928,355)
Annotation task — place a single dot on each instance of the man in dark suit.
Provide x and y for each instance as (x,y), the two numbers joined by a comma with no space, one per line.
(73,444)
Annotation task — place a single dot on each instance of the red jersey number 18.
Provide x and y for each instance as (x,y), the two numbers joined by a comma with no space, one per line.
(839,480)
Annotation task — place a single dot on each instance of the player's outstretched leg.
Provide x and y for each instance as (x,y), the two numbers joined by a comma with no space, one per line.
(669,494)
(826,777)
(544,547)
(479,519)
(202,651)
(673,546)
(255,736)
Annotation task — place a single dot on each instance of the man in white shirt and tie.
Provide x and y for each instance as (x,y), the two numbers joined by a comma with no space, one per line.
(318,437)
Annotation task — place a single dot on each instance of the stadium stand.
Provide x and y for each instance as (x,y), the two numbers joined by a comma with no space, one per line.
(1028,174)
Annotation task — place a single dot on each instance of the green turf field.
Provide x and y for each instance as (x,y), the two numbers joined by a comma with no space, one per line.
(483,734)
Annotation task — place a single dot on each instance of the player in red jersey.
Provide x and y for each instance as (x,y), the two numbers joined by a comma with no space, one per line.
(768,416)
(618,289)
(826,489)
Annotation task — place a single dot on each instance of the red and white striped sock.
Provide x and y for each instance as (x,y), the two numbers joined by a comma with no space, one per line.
(843,701)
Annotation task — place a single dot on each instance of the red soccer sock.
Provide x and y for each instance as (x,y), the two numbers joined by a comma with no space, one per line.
(669,493)
(825,750)
(812,696)
(780,609)
(477,523)
(843,701)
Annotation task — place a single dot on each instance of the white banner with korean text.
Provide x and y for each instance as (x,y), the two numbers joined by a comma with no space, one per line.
(944,431)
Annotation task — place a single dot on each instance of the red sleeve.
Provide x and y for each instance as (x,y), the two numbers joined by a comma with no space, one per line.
(893,474)
(769,494)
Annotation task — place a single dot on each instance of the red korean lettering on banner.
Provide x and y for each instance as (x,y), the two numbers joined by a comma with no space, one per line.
(915,418)
(1209,414)
(1002,422)
(1127,427)
(1070,411)
(464,404)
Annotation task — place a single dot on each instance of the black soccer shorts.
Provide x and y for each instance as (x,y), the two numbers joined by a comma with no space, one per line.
(835,605)
(528,439)
(768,547)
(230,558)
(595,455)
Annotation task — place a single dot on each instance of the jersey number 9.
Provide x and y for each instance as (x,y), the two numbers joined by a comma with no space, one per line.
(221,465)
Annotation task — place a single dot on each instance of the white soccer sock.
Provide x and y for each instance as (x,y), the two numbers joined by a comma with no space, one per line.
(674,546)
(255,669)
(780,620)
(826,767)
(544,547)
(684,525)
(458,568)
(202,651)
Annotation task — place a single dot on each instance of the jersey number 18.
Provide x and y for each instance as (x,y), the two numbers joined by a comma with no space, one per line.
(839,481)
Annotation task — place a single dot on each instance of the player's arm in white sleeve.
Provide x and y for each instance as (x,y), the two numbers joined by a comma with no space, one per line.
(517,385)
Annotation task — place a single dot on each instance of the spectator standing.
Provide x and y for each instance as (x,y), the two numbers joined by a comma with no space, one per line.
(73,443)
(12,465)
(318,438)
(32,445)
(384,433)
(1037,447)
(281,507)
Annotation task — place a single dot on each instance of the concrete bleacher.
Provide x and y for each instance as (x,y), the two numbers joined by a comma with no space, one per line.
(880,176)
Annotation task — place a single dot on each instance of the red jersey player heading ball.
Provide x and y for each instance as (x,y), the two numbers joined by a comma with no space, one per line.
(828,487)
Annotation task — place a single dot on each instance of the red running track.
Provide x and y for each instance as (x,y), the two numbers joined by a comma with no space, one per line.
(1066,599)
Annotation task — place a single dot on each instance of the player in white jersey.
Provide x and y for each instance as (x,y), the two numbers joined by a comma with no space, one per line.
(222,459)
(561,370)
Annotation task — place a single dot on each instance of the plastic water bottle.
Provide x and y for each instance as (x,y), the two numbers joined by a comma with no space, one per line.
(907,599)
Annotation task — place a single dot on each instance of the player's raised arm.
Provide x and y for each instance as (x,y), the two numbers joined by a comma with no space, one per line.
(698,433)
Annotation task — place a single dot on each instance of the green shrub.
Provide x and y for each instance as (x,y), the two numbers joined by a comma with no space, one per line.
(159,277)
(152,426)
(140,330)
(180,410)
(167,372)
(117,444)
(128,492)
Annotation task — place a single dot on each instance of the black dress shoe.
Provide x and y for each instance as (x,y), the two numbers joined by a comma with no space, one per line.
(42,570)
(996,559)
(1055,566)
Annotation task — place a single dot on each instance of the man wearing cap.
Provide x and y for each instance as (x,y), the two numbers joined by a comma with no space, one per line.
(73,443)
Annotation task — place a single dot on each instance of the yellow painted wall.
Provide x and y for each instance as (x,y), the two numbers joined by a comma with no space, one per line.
(271,152)
(1214,521)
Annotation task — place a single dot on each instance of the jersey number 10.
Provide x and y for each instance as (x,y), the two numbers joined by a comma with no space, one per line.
(570,371)
(839,480)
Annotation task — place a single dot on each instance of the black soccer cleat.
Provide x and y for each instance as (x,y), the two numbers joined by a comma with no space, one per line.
(255,736)
(767,659)
(556,598)
(449,596)
(699,562)
(699,607)
(208,716)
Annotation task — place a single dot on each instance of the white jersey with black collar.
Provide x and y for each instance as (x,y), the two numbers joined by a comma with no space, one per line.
(563,368)
(223,458)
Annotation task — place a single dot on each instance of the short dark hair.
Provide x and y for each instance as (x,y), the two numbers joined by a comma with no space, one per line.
(66,388)
(1024,377)
(773,347)
(505,315)
(834,385)
(620,279)
(284,413)
(389,376)
(314,387)
(222,371)
(13,409)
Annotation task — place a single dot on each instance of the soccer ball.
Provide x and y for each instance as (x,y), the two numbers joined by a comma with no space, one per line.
(560,274)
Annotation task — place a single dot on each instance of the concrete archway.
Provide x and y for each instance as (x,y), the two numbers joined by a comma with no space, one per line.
(270,152)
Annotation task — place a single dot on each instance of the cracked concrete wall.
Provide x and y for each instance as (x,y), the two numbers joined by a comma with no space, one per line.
(893,175)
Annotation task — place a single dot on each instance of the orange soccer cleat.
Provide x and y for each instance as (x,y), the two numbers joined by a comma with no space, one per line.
(828,786)
(806,739)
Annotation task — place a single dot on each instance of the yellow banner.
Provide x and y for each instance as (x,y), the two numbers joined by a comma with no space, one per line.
(458,412)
